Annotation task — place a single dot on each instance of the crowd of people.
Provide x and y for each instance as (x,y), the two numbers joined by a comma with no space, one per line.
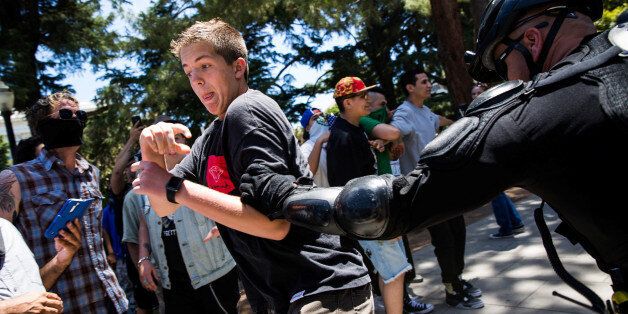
(317,226)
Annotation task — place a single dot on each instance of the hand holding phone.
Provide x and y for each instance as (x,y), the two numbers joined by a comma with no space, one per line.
(135,120)
(73,208)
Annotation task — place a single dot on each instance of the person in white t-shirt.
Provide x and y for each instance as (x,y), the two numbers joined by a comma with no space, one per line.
(317,126)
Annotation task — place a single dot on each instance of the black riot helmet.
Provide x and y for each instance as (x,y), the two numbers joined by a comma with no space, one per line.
(501,17)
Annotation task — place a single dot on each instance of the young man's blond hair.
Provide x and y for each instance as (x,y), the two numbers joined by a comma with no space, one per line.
(226,41)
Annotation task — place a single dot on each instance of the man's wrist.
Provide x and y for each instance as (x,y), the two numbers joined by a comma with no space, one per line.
(172,187)
(143,259)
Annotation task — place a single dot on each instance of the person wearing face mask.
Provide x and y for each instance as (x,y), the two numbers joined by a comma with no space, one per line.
(314,148)
(73,265)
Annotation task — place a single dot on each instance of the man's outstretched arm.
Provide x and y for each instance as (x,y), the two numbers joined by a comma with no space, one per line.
(225,209)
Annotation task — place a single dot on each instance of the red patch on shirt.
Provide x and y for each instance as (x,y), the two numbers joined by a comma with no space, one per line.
(217,176)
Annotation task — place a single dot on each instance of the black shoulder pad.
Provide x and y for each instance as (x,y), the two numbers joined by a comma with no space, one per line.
(449,141)
(495,96)
(452,147)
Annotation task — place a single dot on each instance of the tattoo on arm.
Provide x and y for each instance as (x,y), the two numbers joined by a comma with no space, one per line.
(7,199)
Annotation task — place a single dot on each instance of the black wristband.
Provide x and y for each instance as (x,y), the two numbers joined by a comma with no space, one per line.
(172,187)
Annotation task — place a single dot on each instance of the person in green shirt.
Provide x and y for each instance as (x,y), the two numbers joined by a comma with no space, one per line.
(388,256)
(375,125)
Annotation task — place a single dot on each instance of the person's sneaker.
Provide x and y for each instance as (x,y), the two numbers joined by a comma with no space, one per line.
(470,289)
(463,301)
(414,306)
(519,229)
(500,235)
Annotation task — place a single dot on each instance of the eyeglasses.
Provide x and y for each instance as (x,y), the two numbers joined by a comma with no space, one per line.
(68,114)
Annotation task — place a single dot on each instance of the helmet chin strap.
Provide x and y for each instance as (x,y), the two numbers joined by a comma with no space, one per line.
(537,67)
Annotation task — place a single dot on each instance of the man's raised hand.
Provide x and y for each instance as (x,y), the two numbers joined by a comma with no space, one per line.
(158,140)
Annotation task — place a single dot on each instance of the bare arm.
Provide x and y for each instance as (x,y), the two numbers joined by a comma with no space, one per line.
(134,252)
(225,209)
(10,195)
(147,272)
(66,244)
(315,155)
(386,132)
(111,255)
(442,121)
(32,302)
(228,210)
(117,175)
(144,248)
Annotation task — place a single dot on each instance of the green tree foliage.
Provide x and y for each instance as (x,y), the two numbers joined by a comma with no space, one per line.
(378,40)
(375,40)
(612,9)
(42,41)
(4,154)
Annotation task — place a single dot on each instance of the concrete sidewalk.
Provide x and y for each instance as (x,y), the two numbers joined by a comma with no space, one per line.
(513,273)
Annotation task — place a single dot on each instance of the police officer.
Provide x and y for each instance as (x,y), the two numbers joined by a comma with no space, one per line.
(558,128)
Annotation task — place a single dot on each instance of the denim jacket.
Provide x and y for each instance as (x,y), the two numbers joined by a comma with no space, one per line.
(205,261)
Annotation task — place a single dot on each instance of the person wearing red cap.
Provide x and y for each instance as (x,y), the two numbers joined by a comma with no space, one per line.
(349,156)
(349,152)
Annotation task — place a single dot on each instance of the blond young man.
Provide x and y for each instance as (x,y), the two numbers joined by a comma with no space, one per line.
(283,267)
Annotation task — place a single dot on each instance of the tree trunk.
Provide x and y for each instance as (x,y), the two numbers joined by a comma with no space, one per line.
(477,8)
(446,18)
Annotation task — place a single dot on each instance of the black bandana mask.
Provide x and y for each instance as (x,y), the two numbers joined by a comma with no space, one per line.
(58,133)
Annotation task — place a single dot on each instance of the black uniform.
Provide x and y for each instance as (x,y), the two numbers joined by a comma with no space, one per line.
(565,142)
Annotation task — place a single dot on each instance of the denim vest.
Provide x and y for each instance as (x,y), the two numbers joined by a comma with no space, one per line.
(205,261)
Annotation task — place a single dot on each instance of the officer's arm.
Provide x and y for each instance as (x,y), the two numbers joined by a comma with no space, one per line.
(10,195)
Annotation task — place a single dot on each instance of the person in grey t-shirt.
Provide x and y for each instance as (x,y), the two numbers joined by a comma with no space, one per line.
(418,126)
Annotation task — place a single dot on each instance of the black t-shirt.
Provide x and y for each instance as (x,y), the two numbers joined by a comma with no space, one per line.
(349,154)
(177,272)
(255,131)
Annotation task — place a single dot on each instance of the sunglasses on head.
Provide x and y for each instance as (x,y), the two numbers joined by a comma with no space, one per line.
(68,114)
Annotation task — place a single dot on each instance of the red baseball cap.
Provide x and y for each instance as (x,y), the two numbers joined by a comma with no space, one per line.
(350,85)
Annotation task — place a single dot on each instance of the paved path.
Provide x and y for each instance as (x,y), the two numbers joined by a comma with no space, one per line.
(513,273)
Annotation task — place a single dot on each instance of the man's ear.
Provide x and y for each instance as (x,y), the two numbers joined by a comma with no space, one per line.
(346,103)
(240,67)
(410,88)
(533,41)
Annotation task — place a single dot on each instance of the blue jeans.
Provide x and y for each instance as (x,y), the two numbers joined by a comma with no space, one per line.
(388,258)
(506,214)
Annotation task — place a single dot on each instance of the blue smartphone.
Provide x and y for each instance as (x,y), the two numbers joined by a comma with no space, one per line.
(72,208)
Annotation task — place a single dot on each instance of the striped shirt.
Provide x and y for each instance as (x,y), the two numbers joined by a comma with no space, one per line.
(45,184)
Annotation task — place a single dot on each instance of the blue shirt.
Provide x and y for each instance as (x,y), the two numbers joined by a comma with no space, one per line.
(109,224)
